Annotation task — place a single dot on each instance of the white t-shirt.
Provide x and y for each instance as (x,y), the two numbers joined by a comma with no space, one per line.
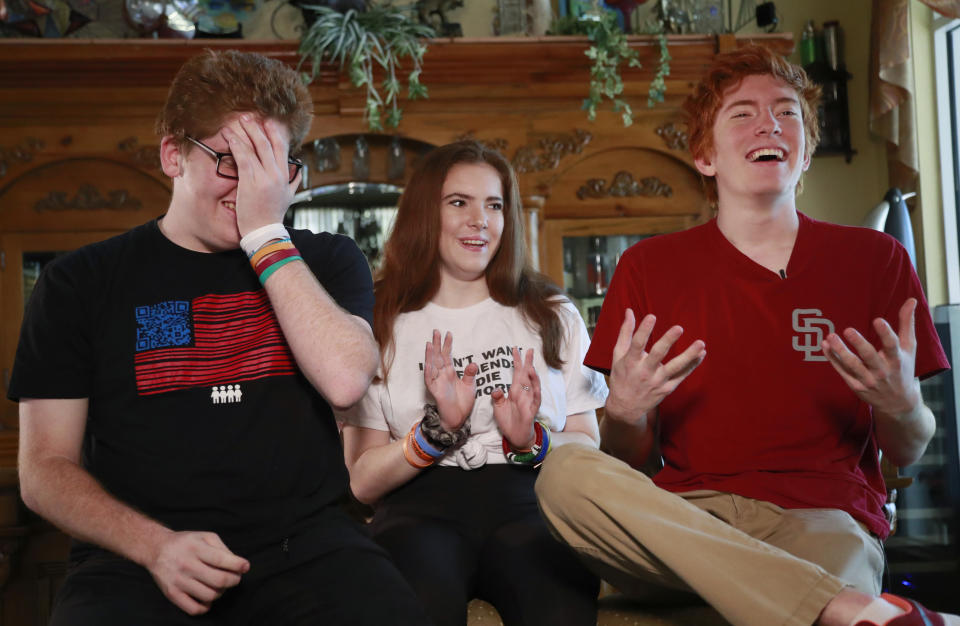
(485,334)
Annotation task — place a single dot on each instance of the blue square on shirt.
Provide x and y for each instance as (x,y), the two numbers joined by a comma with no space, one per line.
(163,325)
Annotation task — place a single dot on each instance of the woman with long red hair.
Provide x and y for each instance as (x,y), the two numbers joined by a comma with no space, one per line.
(481,377)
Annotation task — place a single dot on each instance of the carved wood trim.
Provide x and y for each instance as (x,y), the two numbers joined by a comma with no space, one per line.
(547,152)
(88,198)
(20,153)
(673,135)
(497,143)
(624,186)
(142,156)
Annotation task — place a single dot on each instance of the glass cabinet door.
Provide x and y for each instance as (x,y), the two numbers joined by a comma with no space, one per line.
(22,258)
(581,255)
(588,264)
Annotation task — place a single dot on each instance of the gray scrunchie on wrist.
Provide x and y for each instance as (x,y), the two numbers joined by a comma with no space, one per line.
(436,435)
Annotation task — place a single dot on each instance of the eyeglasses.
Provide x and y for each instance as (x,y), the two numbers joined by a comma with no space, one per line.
(227,165)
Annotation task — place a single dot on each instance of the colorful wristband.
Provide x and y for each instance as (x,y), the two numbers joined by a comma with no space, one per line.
(410,452)
(274,257)
(267,273)
(254,240)
(533,456)
(433,451)
(269,248)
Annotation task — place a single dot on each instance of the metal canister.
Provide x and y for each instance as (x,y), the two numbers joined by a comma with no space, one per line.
(831,44)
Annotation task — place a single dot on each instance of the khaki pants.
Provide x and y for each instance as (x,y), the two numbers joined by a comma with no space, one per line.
(754,562)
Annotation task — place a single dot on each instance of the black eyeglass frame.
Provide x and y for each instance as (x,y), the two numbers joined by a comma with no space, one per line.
(219,157)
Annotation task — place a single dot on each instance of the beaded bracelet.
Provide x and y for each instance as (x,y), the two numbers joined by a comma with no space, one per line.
(536,454)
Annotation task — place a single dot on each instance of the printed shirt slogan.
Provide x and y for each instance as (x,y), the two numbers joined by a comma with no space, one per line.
(207,340)
(491,363)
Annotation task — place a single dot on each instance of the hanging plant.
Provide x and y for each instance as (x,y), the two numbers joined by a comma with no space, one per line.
(608,50)
(361,41)
(658,86)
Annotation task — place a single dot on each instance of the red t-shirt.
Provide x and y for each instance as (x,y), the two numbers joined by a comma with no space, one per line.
(765,415)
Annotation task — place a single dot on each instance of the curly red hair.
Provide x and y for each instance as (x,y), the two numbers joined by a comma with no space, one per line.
(726,72)
(214,84)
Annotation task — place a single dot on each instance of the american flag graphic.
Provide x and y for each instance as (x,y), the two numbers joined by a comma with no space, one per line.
(209,340)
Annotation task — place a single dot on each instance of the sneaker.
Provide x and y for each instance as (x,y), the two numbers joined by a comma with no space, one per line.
(914,614)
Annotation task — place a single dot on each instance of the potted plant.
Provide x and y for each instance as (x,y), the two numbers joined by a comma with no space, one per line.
(361,41)
(608,50)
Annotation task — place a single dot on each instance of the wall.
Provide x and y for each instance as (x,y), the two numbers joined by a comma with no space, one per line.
(834,190)
(928,219)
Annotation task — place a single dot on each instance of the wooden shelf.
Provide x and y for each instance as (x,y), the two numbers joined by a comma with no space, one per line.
(39,63)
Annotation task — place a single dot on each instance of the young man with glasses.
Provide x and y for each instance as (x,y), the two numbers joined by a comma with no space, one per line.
(176,382)
(770,417)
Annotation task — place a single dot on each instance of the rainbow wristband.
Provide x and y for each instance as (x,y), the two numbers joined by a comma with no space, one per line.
(269,248)
(544,447)
(267,273)
(274,257)
(528,457)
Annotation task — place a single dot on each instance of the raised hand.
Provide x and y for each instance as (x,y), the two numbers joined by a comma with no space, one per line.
(193,569)
(264,189)
(639,379)
(454,395)
(515,411)
(883,378)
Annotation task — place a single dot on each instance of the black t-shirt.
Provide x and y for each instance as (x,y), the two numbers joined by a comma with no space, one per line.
(198,414)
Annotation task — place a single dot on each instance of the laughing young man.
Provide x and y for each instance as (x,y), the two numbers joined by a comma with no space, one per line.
(175,395)
(769,504)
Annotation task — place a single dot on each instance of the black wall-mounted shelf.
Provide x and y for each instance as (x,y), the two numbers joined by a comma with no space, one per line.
(834,111)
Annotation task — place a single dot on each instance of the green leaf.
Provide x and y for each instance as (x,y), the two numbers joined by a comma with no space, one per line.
(381,34)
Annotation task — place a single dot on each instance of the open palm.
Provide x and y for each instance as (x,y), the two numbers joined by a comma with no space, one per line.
(514,412)
(454,395)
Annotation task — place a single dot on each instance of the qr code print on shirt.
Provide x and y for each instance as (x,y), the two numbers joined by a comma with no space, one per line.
(163,325)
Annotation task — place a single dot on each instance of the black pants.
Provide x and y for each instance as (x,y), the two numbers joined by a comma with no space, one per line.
(351,585)
(457,535)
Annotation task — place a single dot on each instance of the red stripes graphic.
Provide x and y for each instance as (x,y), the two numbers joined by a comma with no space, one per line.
(236,338)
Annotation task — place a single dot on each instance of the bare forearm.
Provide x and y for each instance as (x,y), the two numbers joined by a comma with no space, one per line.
(69,497)
(629,441)
(334,349)
(904,438)
(565,437)
(580,428)
(379,471)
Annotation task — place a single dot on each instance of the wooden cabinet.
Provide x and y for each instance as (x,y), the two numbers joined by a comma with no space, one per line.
(79,162)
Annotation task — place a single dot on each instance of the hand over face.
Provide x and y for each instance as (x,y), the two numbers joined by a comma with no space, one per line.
(454,395)
(639,380)
(514,412)
(193,569)
(883,378)
(264,189)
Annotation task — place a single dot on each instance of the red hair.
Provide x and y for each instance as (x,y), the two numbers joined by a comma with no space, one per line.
(214,84)
(409,275)
(727,72)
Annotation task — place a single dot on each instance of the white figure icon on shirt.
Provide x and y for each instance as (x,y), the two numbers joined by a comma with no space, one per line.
(225,394)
